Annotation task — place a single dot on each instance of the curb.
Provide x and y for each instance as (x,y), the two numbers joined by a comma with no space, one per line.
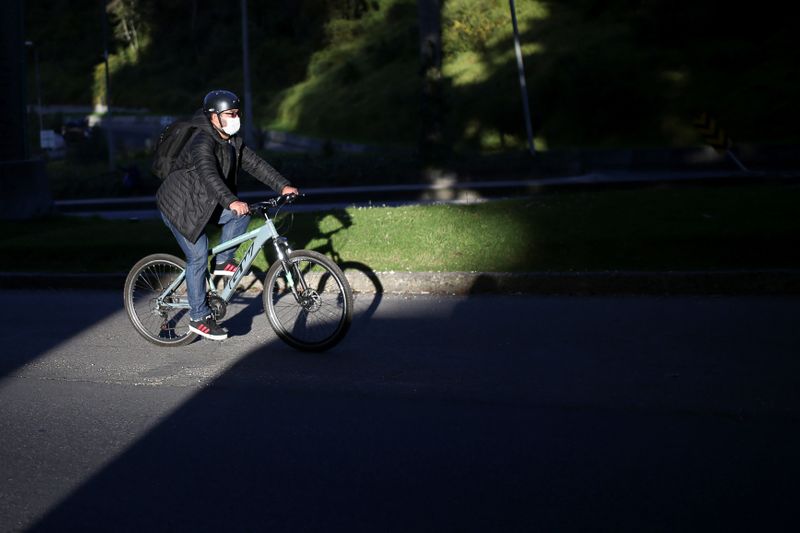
(751,282)
(583,283)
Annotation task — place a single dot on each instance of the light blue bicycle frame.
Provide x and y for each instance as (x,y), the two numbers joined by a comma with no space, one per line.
(259,236)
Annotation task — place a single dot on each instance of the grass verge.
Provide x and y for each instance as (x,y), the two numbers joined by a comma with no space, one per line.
(645,229)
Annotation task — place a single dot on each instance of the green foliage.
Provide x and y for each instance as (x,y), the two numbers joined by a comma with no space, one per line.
(363,80)
(129,20)
(466,29)
(68,36)
(610,73)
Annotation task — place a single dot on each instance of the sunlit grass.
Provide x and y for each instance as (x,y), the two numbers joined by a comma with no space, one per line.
(432,239)
(671,229)
(466,68)
(654,229)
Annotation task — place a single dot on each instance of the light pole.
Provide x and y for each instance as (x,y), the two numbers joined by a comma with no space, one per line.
(31,44)
(522,85)
(107,121)
(249,138)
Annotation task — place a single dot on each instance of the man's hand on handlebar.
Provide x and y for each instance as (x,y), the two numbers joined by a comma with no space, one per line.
(288,195)
(239,208)
(289,190)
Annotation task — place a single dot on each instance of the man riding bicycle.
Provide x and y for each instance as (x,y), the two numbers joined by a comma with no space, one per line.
(201,189)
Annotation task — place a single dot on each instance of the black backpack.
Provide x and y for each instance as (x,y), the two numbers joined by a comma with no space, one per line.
(170,143)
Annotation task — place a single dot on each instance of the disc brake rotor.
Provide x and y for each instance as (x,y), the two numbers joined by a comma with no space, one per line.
(310,300)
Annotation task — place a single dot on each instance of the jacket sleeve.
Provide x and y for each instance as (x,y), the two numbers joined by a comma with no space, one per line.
(262,171)
(205,163)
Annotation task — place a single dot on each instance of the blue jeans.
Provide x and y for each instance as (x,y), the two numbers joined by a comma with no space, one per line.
(197,259)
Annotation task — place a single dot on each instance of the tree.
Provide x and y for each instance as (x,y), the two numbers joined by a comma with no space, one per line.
(129,18)
(432,102)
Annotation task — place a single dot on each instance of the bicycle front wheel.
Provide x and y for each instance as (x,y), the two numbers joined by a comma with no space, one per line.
(317,313)
(164,322)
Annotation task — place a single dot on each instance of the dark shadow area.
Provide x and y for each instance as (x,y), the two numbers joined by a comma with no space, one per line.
(432,423)
(362,277)
(242,323)
(484,285)
(607,73)
(366,284)
(342,221)
(599,72)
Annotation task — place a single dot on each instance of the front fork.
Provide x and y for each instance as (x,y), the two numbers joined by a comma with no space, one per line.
(293,276)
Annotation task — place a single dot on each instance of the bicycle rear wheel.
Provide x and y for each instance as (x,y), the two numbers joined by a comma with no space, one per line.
(320,315)
(160,324)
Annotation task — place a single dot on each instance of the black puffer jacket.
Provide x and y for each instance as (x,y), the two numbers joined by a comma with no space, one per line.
(205,177)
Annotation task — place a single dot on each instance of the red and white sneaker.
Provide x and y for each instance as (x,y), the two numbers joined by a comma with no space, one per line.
(208,328)
(228,268)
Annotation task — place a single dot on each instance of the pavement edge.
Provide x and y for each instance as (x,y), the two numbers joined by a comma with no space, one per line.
(776,281)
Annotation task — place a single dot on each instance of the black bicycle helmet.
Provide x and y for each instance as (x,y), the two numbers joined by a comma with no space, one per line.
(219,101)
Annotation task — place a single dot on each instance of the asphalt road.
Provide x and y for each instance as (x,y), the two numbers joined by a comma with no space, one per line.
(482,413)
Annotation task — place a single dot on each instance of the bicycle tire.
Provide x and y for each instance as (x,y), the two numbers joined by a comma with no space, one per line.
(323,316)
(147,279)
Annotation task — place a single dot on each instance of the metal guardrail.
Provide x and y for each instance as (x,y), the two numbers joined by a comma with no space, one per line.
(447,190)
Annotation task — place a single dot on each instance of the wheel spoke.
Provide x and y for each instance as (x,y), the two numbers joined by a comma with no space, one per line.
(159,324)
(322,315)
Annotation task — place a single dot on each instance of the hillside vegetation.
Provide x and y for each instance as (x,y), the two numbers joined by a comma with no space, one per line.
(600,73)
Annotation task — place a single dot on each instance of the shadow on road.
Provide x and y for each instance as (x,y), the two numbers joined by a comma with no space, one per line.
(489,415)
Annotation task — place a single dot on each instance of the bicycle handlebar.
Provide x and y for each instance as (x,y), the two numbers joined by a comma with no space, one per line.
(284,199)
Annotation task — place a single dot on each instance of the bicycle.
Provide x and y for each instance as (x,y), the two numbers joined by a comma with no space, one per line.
(307,299)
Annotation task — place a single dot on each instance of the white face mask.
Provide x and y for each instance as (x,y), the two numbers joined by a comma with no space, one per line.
(232,126)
